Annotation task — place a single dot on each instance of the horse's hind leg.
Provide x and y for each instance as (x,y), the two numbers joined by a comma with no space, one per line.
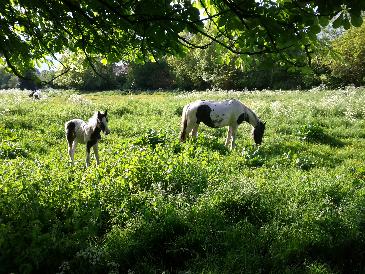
(71,149)
(71,139)
(188,127)
(191,127)
(194,133)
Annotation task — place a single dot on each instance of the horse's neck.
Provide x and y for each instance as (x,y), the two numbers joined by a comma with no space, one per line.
(96,134)
(252,117)
(91,127)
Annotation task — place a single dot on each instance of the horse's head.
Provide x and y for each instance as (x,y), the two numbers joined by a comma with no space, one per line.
(258,132)
(103,122)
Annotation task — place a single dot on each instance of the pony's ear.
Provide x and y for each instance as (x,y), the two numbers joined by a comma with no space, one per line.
(99,115)
(106,113)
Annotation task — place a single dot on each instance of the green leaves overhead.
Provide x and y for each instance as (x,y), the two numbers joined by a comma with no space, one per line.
(145,29)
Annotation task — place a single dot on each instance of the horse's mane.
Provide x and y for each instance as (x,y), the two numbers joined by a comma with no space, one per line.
(253,114)
(93,120)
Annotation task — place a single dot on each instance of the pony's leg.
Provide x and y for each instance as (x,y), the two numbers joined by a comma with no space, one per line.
(96,153)
(71,150)
(194,133)
(229,136)
(234,133)
(87,158)
(88,147)
(188,126)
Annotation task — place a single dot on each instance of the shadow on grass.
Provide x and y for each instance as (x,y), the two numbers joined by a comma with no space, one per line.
(314,133)
(214,144)
(294,154)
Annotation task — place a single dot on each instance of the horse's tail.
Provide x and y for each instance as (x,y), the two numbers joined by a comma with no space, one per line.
(184,123)
(70,131)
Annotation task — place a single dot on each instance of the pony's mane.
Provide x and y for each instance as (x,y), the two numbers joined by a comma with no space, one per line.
(93,120)
(254,116)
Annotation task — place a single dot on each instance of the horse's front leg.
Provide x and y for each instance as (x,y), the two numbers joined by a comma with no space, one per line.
(71,150)
(234,133)
(88,147)
(229,136)
(96,153)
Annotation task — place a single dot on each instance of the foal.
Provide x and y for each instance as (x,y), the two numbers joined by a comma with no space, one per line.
(229,113)
(78,131)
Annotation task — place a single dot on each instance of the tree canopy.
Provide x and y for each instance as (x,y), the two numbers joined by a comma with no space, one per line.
(114,30)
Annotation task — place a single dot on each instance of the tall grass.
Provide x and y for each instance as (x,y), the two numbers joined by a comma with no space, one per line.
(293,205)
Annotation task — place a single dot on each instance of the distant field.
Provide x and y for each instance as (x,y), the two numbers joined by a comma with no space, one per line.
(296,204)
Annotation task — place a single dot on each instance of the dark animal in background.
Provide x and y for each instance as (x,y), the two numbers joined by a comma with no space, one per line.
(36,94)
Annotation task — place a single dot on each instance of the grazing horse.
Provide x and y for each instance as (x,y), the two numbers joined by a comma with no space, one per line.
(36,94)
(78,131)
(229,113)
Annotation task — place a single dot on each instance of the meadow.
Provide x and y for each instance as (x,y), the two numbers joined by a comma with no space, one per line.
(295,204)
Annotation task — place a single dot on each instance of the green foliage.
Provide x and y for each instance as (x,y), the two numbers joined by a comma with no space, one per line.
(9,150)
(311,133)
(7,80)
(350,67)
(220,69)
(252,157)
(344,65)
(150,75)
(295,204)
(80,75)
(148,29)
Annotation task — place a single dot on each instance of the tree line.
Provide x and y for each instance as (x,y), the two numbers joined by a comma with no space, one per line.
(339,61)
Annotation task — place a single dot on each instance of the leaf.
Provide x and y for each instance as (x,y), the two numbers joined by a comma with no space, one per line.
(316,29)
(222,21)
(323,21)
(356,20)
(346,24)
(338,22)
(104,61)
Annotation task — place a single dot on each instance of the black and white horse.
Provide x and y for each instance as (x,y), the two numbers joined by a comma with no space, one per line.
(79,131)
(36,94)
(229,113)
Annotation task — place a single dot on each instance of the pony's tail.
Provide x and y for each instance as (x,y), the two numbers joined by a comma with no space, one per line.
(184,124)
(70,131)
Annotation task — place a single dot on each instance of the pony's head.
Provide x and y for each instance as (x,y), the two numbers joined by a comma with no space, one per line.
(258,132)
(102,122)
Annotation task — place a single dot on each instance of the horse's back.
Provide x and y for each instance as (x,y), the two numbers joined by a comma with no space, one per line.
(215,113)
(75,127)
(226,104)
(74,123)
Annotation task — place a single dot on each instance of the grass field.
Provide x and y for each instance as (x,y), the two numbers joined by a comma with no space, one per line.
(296,204)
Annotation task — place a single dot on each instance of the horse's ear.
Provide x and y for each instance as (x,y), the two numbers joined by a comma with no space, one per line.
(106,113)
